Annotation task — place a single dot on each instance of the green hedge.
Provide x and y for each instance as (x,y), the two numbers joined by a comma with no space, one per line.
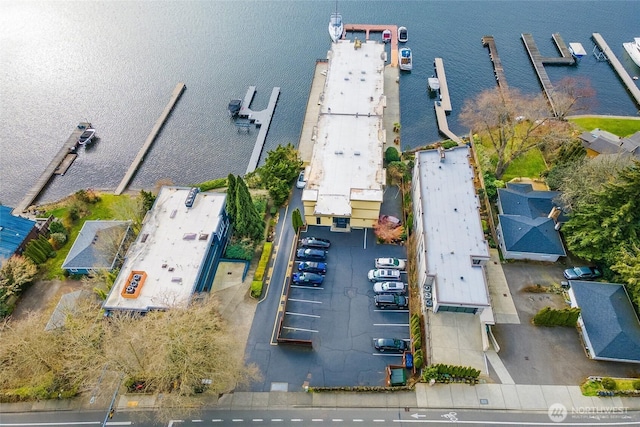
(258,277)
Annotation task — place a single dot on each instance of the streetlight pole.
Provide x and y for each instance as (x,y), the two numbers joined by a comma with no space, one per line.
(110,409)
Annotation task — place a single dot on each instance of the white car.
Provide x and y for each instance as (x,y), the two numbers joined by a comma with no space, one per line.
(300,183)
(390,288)
(395,263)
(383,275)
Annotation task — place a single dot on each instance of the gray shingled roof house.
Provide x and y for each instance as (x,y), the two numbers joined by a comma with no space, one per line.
(609,324)
(602,142)
(527,223)
(99,246)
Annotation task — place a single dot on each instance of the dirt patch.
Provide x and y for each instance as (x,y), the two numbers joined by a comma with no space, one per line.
(43,296)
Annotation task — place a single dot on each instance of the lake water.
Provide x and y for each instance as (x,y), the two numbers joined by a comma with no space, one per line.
(116,63)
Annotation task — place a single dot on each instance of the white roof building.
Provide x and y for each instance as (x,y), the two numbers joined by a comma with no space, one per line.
(171,251)
(347,162)
(452,248)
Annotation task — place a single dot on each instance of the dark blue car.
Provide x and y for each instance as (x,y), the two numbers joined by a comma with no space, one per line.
(307,279)
(313,267)
(312,254)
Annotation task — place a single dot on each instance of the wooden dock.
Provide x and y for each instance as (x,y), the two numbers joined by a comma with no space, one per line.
(617,66)
(538,62)
(498,70)
(175,95)
(368,29)
(261,119)
(57,163)
(443,104)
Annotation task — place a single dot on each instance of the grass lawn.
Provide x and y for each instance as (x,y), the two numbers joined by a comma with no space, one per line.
(620,127)
(107,209)
(591,388)
(529,165)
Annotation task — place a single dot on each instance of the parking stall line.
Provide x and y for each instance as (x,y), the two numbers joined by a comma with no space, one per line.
(391,324)
(298,329)
(387,354)
(305,300)
(306,287)
(302,314)
(392,311)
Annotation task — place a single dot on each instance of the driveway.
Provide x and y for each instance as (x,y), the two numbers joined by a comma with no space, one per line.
(540,355)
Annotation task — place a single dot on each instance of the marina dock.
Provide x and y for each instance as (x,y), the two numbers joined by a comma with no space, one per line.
(175,95)
(498,71)
(262,120)
(58,165)
(443,104)
(368,29)
(538,62)
(617,66)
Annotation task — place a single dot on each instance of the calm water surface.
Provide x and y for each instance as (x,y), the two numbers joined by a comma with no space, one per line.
(116,63)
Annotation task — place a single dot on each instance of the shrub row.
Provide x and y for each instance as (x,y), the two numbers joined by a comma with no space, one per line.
(375,389)
(213,184)
(38,250)
(451,373)
(258,277)
(416,334)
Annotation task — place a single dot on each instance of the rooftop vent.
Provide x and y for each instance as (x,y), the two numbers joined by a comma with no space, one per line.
(356,153)
(339,152)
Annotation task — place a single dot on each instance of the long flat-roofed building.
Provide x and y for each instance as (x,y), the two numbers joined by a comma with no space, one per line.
(176,253)
(451,245)
(345,177)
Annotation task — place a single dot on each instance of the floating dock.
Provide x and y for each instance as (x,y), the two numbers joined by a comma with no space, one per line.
(617,66)
(443,104)
(58,165)
(175,95)
(538,62)
(262,120)
(498,71)
(368,29)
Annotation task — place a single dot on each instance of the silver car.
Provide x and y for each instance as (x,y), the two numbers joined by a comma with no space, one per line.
(384,275)
(390,288)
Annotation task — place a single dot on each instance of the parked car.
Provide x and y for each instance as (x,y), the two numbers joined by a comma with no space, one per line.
(582,273)
(390,288)
(312,254)
(390,344)
(313,279)
(383,275)
(300,182)
(315,242)
(396,263)
(313,267)
(391,301)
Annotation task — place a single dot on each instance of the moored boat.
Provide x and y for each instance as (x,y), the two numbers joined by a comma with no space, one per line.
(234,107)
(386,36)
(433,83)
(403,34)
(633,49)
(577,50)
(86,137)
(336,27)
(406,59)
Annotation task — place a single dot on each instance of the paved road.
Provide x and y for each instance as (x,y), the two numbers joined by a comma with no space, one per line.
(330,416)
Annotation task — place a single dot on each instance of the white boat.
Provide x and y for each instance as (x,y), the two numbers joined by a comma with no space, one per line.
(86,137)
(406,60)
(386,36)
(633,49)
(577,50)
(433,83)
(403,34)
(336,27)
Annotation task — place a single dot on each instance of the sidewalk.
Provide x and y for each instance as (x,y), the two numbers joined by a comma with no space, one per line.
(446,396)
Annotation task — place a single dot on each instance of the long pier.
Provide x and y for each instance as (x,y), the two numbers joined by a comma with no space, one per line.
(443,104)
(261,119)
(56,165)
(498,70)
(367,28)
(175,95)
(538,62)
(617,66)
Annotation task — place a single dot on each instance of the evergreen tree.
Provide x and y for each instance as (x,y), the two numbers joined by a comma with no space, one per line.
(280,169)
(296,220)
(628,268)
(231,197)
(248,221)
(599,229)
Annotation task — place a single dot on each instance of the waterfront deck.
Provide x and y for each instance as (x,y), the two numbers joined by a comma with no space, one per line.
(368,29)
(538,62)
(175,95)
(617,66)
(498,70)
(261,119)
(59,162)
(443,105)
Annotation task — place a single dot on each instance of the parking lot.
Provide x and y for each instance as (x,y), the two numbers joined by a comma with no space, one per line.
(340,318)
